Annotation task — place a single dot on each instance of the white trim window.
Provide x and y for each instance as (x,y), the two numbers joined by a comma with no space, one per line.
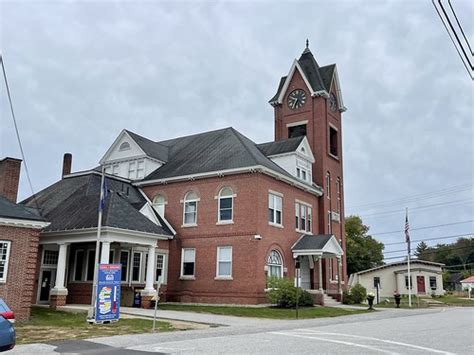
(224,262)
(275,206)
(303,170)
(160,268)
(303,217)
(275,264)
(338,188)
(50,257)
(188,257)
(124,261)
(90,265)
(79,265)
(5,247)
(132,170)
(329,222)
(115,169)
(159,203)
(124,146)
(136,266)
(226,205)
(433,284)
(328,185)
(141,169)
(190,209)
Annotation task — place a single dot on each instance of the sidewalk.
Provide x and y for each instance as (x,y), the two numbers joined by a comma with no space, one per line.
(205,318)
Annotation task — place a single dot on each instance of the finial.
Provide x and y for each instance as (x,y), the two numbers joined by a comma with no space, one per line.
(307,43)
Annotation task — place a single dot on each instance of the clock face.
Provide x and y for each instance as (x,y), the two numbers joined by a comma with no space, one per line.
(333,102)
(296,99)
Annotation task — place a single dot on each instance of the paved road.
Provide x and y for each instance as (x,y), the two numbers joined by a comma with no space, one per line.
(431,331)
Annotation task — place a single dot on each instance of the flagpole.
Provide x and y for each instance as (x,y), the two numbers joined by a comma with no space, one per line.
(91,313)
(407,236)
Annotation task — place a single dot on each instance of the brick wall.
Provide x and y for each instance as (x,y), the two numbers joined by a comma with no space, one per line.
(18,291)
(249,256)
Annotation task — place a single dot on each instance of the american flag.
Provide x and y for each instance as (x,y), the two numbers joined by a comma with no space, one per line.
(407,234)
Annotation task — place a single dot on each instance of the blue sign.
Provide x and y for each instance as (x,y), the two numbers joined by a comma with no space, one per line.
(108,293)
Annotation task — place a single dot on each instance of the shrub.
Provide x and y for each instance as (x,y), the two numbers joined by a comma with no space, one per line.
(282,293)
(347,298)
(358,293)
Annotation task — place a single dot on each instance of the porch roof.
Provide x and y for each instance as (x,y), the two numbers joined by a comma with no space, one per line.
(324,245)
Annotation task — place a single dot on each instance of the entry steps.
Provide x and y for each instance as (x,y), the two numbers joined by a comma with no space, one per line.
(330,302)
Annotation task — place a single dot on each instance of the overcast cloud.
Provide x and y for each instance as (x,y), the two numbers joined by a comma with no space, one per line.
(81,72)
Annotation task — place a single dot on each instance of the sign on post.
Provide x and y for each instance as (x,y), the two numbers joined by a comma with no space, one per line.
(108,293)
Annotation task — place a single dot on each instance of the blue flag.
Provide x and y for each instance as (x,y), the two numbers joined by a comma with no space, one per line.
(104,191)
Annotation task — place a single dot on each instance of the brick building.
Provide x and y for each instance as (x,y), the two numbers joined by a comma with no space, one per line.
(213,214)
(19,237)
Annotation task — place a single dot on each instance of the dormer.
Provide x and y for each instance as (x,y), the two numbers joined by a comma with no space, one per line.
(133,157)
(293,154)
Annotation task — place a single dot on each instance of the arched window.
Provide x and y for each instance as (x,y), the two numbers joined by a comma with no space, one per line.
(124,146)
(190,208)
(159,203)
(275,264)
(226,197)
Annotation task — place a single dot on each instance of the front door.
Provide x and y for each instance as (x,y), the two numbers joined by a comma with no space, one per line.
(420,284)
(46,284)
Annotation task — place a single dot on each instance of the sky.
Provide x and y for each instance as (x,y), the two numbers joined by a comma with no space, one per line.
(80,72)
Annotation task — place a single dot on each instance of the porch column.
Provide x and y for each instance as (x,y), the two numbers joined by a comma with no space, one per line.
(320,264)
(149,292)
(105,253)
(150,269)
(339,276)
(59,291)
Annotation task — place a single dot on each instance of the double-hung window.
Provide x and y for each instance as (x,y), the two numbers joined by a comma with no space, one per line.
(377,282)
(124,255)
(224,262)
(225,199)
(136,266)
(132,170)
(160,267)
(4,258)
(159,202)
(275,204)
(303,217)
(190,208)
(433,285)
(90,265)
(406,282)
(188,257)
(338,188)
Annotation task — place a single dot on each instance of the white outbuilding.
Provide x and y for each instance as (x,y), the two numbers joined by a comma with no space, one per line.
(426,278)
(468,284)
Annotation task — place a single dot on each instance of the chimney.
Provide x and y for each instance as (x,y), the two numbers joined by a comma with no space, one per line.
(67,162)
(9,178)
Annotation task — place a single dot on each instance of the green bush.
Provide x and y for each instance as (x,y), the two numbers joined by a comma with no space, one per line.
(282,293)
(347,298)
(358,293)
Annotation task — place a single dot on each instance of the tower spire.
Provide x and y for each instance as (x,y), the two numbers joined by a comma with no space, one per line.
(307,43)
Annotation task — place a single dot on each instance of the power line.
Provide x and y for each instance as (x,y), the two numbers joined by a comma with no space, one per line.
(436,238)
(17,132)
(459,25)
(429,251)
(420,196)
(451,37)
(459,265)
(425,227)
(462,201)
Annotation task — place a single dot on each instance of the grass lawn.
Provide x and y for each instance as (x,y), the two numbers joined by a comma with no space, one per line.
(415,303)
(264,312)
(48,325)
(455,301)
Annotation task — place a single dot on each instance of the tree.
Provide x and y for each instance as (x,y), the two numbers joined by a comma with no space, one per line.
(362,250)
(421,251)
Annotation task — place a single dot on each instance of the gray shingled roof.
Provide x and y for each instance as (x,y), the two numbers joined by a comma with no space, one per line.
(280,147)
(212,151)
(72,203)
(312,242)
(8,209)
(152,149)
(319,77)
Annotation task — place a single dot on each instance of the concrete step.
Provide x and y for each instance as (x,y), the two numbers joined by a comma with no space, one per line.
(329,301)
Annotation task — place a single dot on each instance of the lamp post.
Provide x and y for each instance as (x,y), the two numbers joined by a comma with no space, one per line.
(297,270)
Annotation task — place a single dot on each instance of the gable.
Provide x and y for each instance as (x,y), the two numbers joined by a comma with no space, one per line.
(123,148)
(295,67)
(336,88)
(304,150)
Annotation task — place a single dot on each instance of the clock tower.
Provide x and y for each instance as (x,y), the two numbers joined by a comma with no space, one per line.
(309,102)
